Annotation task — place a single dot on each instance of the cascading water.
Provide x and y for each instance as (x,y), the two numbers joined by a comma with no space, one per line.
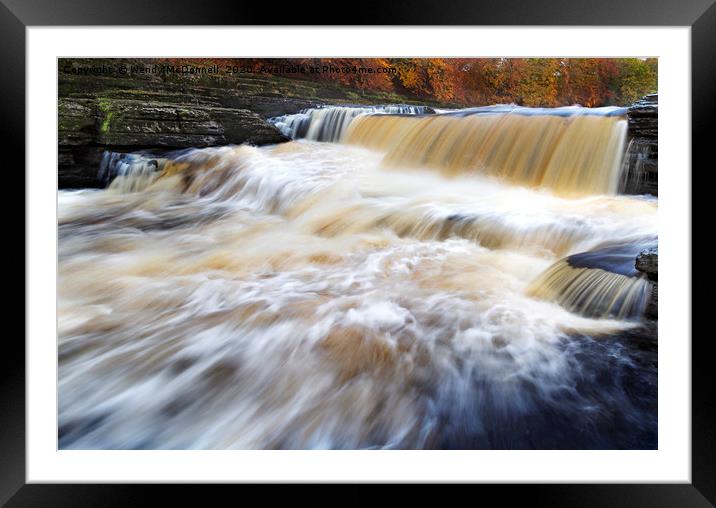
(603,282)
(326,295)
(136,170)
(330,123)
(570,150)
(639,167)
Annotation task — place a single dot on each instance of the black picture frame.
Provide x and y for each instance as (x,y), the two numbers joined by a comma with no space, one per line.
(16,15)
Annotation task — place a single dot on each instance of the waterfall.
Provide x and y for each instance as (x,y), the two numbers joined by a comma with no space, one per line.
(575,152)
(330,123)
(592,291)
(639,169)
(570,150)
(136,170)
(601,283)
(461,279)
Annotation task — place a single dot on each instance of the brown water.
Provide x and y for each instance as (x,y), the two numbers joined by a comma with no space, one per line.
(572,155)
(315,295)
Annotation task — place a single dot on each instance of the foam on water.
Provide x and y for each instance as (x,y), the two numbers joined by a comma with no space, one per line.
(330,123)
(304,296)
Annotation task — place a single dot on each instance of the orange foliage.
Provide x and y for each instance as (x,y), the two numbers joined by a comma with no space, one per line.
(474,81)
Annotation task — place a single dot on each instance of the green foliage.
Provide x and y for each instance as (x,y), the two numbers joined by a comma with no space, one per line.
(104,107)
(638,78)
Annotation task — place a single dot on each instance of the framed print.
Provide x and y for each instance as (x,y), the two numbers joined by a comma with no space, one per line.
(424,250)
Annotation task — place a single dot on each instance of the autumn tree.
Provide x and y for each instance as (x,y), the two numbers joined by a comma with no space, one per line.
(546,82)
(636,78)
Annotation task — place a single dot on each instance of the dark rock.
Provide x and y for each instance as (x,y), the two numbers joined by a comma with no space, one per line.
(76,122)
(138,123)
(652,307)
(642,155)
(269,107)
(89,126)
(126,112)
(648,262)
(78,166)
(644,117)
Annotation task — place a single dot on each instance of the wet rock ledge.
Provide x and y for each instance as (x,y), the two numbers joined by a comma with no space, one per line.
(90,125)
(641,161)
(162,112)
(648,262)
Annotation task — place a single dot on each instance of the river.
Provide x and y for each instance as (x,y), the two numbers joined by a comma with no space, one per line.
(410,284)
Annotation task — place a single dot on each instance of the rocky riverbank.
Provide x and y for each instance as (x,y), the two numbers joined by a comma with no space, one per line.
(642,177)
(144,111)
(648,262)
(644,338)
(89,126)
(642,156)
